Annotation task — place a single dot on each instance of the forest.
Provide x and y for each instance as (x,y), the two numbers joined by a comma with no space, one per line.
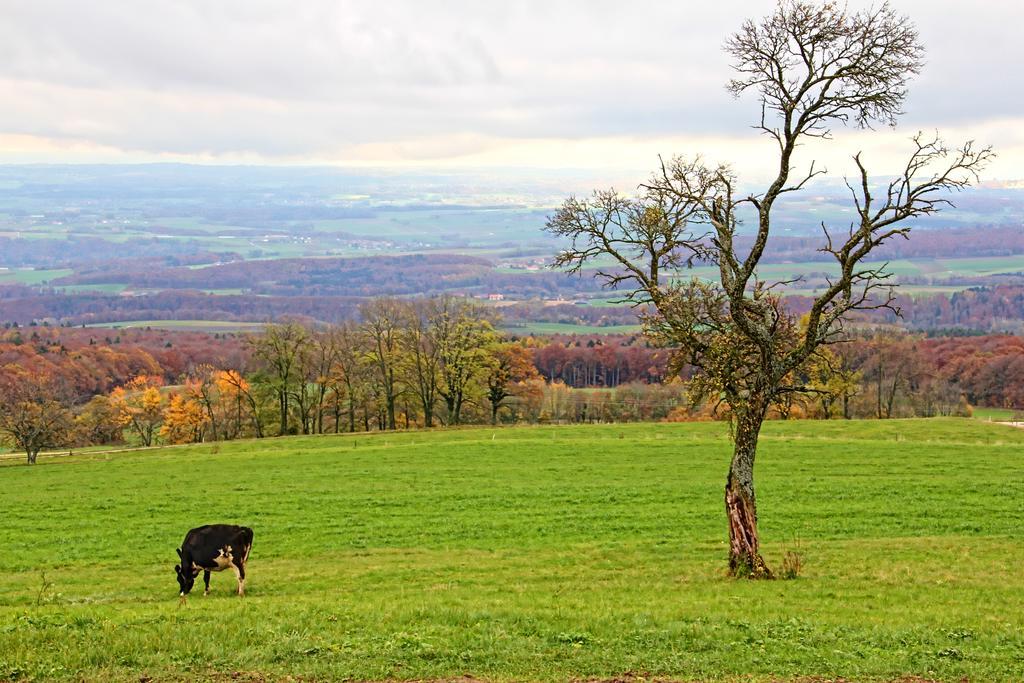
(436,362)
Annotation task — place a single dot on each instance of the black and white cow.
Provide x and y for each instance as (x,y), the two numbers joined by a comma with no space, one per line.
(213,548)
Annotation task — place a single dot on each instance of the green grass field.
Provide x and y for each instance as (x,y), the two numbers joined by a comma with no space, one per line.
(29,276)
(539,553)
(994,414)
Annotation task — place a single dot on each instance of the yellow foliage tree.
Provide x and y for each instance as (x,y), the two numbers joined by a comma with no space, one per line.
(184,420)
(236,389)
(139,405)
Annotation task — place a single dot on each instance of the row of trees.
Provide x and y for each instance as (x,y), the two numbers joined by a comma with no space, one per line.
(430,358)
(438,362)
(880,374)
(435,362)
(406,363)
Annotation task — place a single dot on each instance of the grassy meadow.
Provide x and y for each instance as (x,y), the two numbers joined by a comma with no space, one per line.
(535,553)
(994,414)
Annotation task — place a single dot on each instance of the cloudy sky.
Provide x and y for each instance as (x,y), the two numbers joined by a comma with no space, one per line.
(450,83)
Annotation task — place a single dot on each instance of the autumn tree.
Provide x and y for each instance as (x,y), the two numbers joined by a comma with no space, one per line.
(233,385)
(887,370)
(382,321)
(349,373)
(321,363)
(140,404)
(230,406)
(832,382)
(98,422)
(811,66)
(422,358)
(304,389)
(185,418)
(202,389)
(462,333)
(34,411)
(509,370)
(279,349)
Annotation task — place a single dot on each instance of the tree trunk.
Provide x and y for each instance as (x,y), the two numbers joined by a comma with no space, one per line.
(458,408)
(890,401)
(392,425)
(282,401)
(213,419)
(450,404)
(238,417)
(321,400)
(740,505)
(256,426)
(32,455)
(879,392)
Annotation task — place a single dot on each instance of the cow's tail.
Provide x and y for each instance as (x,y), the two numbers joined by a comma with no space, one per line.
(246,537)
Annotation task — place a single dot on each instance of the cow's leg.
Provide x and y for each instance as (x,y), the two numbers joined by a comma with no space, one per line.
(239,568)
(206,581)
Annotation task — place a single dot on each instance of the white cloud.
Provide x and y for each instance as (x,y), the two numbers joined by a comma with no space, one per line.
(570,82)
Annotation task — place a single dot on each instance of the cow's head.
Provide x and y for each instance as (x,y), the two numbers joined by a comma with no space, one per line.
(186,576)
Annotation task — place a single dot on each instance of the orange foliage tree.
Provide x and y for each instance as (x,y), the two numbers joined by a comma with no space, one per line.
(509,373)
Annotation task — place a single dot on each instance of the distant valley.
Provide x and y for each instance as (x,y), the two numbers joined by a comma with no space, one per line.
(123,244)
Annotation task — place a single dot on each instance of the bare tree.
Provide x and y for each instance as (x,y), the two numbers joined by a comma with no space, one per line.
(812,66)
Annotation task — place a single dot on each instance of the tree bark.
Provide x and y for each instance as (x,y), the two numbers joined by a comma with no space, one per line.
(458,407)
(282,401)
(879,391)
(745,559)
(391,424)
(453,417)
